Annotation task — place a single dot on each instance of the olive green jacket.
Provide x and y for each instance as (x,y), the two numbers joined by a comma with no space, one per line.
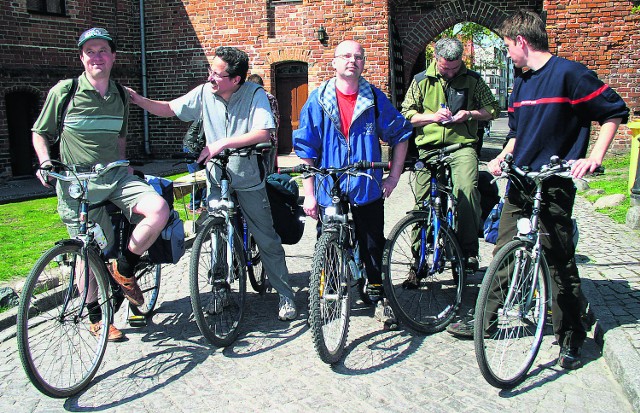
(466,91)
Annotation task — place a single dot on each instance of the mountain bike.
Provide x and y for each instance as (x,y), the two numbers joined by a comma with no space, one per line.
(511,309)
(336,264)
(422,263)
(70,288)
(220,260)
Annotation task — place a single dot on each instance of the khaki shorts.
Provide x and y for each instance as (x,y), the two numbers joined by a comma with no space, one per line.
(118,186)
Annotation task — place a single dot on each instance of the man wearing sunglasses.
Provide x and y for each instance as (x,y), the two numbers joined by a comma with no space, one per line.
(236,114)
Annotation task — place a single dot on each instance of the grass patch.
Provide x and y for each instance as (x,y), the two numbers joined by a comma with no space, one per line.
(27,229)
(614,181)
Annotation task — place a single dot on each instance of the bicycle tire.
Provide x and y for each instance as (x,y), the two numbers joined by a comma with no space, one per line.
(429,304)
(329,298)
(255,271)
(508,348)
(218,303)
(148,278)
(59,353)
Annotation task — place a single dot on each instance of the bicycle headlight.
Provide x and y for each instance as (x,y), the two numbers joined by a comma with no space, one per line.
(524,226)
(75,191)
(330,211)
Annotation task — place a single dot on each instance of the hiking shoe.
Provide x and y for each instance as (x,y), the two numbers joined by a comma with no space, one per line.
(114,333)
(384,314)
(463,328)
(569,358)
(129,285)
(412,282)
(375,292)
(286,309)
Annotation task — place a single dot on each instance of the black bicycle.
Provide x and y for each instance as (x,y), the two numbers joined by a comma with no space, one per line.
(336,264)
(69,298)
(422,263)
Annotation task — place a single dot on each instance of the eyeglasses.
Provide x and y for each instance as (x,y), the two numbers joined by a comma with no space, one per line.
(214,75)
(349,56)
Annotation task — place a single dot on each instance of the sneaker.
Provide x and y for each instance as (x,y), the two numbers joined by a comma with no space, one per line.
(286,309)
(569,358)
(384,314)
(128,284)
(462,329)
(375,292)
(114,333)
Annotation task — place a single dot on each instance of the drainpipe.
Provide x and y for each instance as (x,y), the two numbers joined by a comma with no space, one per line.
(143,49)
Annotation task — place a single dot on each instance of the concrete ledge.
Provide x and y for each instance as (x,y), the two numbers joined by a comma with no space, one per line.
(624,362)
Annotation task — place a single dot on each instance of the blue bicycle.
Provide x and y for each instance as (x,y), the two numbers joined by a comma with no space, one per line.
(422,263)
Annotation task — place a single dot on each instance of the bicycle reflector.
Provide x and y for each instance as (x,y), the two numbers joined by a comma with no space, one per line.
(524,226)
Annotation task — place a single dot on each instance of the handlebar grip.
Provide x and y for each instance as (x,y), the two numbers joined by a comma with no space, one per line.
(381,165)
(294,169)
(187,156)
(598,171)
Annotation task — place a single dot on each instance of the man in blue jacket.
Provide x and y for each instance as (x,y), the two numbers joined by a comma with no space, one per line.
(342,122)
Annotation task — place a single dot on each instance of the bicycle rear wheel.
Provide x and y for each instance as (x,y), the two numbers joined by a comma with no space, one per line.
(423,296)
(329,298)
(510,315)
(58,351)
(218,293)
(148,278)
(257,275)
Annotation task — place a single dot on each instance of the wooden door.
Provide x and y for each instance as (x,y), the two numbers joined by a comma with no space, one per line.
(291,93)
(21,114)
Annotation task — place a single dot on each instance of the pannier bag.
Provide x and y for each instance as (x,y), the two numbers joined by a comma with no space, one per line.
(288,216)
(169,247)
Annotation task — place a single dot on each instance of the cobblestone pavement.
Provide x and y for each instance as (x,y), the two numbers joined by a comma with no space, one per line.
(272,367)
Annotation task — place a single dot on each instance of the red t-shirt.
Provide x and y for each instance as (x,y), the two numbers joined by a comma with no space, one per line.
(346,104)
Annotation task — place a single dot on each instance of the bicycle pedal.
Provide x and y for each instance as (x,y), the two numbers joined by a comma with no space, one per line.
(137,321)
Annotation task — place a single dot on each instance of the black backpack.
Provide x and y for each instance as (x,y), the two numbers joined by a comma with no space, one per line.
(288,216)
(54,149)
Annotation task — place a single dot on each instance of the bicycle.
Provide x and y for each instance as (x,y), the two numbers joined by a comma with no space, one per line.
(220,260)
(68,288)
(422,263)
(336,266)
(511,309)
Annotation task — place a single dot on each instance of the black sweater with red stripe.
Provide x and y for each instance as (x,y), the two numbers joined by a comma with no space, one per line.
(551,109)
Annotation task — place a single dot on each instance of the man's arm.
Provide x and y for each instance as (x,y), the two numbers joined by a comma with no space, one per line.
(310,205)
(156,107)
(41,146)
(584,166)
(397,166)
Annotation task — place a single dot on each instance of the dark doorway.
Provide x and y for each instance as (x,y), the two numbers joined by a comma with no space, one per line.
(291,93)
(21,114)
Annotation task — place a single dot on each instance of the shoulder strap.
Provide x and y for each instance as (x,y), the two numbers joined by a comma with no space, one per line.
(63,108)
(121,91)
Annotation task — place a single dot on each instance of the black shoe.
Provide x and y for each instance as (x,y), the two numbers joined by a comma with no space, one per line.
(462,329)
(375,292)
(412,282)
(472,264)
(569,358)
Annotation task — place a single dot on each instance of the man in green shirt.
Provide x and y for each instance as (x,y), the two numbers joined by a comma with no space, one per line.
(94,131)
(444,104)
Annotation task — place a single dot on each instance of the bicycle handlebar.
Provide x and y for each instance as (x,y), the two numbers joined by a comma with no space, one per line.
(243,151)
(555,167)
(97,170)
(357,166)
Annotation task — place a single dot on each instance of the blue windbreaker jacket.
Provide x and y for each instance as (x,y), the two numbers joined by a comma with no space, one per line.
(319,137)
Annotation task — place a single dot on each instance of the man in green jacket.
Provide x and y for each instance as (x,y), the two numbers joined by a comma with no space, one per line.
(444,104)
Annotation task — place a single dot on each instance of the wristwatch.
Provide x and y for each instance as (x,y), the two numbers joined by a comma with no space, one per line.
(470,116)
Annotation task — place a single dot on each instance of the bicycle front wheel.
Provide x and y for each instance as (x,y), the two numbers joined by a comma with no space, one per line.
(510,315)
(148,278)
(59,350)
(218,290)
(257,275)
(329,298)
(420,273)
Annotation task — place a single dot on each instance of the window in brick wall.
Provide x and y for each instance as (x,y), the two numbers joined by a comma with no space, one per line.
(57,7)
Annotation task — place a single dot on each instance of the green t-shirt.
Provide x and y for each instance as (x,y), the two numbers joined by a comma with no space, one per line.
(92,124)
